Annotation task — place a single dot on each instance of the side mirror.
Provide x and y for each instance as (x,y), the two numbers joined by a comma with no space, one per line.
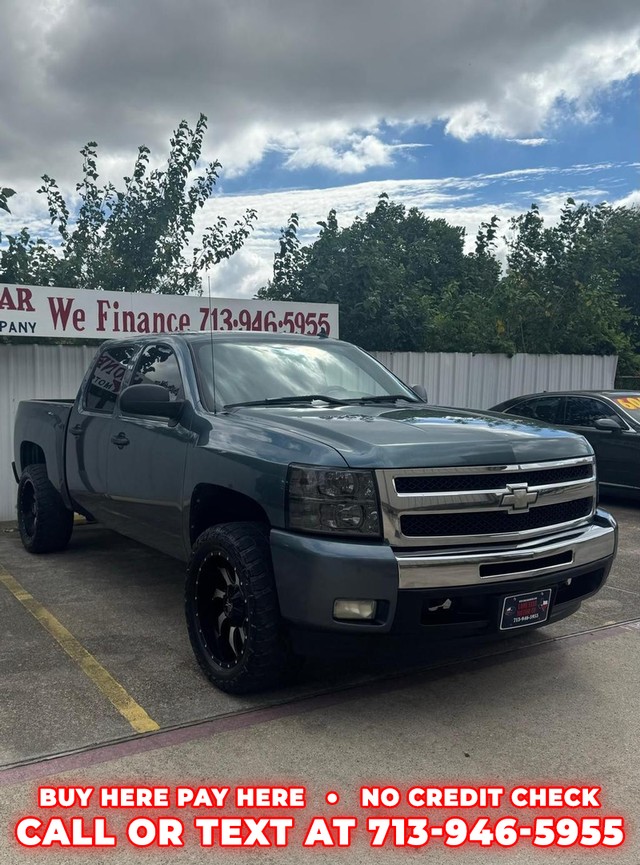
(151,400)
(608,424)
(421,391)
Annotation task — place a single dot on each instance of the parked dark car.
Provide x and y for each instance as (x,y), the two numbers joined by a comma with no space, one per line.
(609,419)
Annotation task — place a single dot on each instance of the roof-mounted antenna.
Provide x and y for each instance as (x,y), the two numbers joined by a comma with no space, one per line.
(211,342)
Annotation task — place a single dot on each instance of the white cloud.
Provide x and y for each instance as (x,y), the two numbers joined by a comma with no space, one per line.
(333,145)
(352,153)
(244,151)
(630,200)
(529,142)
(529,100)
(279,74)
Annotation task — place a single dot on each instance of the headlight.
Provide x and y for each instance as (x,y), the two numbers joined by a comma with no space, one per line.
(333,501)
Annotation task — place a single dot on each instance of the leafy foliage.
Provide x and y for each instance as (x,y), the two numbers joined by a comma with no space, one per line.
(384,270)
(28,260)
(404,282)
(562,289)
(134,239)
(5,195)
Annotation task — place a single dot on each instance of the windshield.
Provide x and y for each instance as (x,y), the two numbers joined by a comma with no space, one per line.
(630,403)
(256,371)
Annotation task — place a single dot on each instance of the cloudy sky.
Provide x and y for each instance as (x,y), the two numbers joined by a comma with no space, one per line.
(459,107)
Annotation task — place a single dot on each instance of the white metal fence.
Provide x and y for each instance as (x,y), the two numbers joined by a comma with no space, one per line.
(32,372)
(483,380)
(463,380)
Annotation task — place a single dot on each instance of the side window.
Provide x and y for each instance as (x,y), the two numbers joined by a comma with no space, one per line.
(544,408)
(583,411)
(158,365)
(522,409)
(106,378)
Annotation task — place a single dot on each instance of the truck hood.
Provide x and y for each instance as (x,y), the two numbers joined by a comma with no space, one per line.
(383,437)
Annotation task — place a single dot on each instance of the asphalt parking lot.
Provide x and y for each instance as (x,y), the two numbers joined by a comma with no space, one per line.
(121,605)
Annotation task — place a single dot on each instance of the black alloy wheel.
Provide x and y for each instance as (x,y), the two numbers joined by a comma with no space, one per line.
(28,509)
(221,610)
(232,611)
(44,521)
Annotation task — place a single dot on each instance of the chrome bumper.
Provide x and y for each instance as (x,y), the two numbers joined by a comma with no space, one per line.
(593,543)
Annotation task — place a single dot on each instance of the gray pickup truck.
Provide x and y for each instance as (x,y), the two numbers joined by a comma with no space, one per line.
(312,491)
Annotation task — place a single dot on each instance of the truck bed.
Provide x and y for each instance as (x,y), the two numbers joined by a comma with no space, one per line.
(52,401)
(40,434)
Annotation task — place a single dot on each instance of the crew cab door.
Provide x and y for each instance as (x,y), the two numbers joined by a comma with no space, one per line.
(87,443)
(616,452)
(146,461)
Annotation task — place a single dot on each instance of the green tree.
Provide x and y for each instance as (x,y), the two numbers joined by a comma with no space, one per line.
(134,239)
(465,318)
(560,293)
(403,281)
(29,260)
(610,242)
(5,195)
(386,270)
(288,262)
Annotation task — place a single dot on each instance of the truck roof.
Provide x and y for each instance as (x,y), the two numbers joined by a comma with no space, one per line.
(221,336)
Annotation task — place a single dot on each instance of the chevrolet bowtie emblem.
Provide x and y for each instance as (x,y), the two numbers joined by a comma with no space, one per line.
(518,498)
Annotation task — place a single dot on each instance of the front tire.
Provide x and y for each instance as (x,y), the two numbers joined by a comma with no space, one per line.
(232,609)
(44,522)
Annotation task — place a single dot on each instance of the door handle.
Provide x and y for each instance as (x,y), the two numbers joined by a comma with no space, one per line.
(120,441)
(76,430)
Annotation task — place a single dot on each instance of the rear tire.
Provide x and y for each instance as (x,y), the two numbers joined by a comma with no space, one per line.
(232,609)
(44,521)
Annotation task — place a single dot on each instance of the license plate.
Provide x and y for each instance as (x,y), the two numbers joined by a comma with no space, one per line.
(532,608)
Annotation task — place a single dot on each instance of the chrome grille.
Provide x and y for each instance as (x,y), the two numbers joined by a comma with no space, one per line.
(485,504)
(459,483)
(494,522)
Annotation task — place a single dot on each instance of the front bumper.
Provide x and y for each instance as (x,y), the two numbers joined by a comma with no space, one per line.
(447,569)
(412,589)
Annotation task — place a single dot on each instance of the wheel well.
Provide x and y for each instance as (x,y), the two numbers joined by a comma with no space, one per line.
(212,504)
(31,454)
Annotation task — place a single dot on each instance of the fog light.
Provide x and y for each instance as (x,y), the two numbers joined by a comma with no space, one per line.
(345,608)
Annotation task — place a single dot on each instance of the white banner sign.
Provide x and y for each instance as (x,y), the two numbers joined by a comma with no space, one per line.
(40,311)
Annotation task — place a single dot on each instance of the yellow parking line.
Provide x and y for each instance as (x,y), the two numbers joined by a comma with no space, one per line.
(101,678)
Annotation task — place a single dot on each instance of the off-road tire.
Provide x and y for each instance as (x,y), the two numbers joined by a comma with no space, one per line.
(44,522)
(256,654)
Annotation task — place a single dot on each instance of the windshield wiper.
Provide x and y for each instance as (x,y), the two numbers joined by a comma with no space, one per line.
(311,397)
(289,400)
(387,397)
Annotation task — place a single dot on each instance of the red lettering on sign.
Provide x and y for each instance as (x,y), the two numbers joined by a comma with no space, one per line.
(21,302)
(24,300)
(103,306)
(61,309)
